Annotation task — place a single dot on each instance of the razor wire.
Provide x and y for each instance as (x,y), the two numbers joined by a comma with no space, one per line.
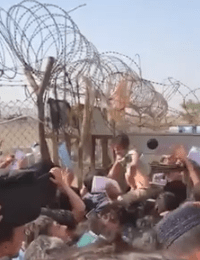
(30,32)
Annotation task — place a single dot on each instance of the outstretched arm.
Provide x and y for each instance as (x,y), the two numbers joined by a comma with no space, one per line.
(78,206)
(115,170)
(180,153)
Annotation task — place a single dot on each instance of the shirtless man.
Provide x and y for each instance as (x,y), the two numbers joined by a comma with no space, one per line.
(128,175)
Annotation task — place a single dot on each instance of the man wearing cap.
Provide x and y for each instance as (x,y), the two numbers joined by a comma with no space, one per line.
(21,197)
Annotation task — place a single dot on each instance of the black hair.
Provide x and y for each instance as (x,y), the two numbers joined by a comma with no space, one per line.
(62,217)
(122,140)
(88,181)
(170,201)
(118,209)
(42,167)
(178,188)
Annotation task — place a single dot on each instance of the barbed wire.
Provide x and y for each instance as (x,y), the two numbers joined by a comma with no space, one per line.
(19,118)
(30,32)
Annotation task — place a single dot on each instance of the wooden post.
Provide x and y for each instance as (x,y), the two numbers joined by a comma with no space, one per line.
(39,91)
(86,125)
(113,126)
(93,149)
(40,102)
(68,142)
(80,166)
(105,160)
(55,148)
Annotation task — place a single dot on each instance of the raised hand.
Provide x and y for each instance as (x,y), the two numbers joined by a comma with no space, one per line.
(68,176)
(57,174)
(180,153)
(134,157)
(60,177)
(8,160)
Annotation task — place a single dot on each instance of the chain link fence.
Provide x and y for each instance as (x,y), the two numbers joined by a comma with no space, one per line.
(18,124)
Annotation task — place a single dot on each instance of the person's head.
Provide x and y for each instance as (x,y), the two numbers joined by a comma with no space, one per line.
(64,221)
(87,182)
(166,201)
(120,144)
(11,239)
(61,216)
(45,225)
(178,188)
(60,231)
(109,221)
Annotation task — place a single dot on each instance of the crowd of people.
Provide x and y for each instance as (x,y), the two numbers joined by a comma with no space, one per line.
(119,206)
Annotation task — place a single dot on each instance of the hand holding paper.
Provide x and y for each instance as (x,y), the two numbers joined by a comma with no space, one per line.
(194,154)
(100,183)
(64,156)
(180,153)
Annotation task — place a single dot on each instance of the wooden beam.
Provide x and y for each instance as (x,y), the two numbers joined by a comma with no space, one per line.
(103,136)
(41,115)
(93,149)
(105,159)
(31,80)
(47,76)
(39,91)
(80,166)
(55,148)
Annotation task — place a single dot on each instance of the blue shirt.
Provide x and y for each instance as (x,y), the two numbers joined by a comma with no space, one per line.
(20,256)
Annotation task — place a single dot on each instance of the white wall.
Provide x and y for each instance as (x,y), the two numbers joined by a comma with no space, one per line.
(166,143)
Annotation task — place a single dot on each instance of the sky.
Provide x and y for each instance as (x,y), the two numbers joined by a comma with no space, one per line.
(165,33)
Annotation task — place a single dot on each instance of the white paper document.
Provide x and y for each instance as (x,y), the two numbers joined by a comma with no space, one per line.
(99,184)
(194,154)
(159,179)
